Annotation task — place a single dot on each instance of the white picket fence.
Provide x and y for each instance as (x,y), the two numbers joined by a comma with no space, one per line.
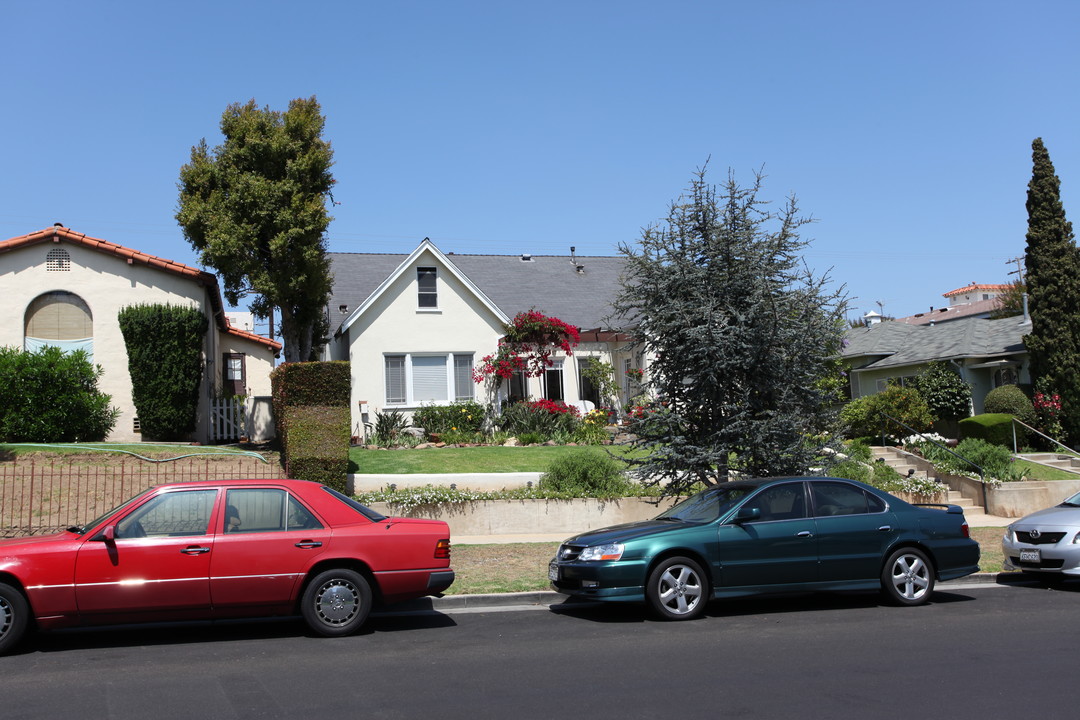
(226,419)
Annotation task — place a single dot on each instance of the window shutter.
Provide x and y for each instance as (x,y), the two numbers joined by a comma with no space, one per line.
(429,379)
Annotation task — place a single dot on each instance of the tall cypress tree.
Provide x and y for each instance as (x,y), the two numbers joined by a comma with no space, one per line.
(1053,281)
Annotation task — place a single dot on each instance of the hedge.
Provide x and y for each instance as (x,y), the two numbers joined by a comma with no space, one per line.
(311,407)
(994,428)
(165,362)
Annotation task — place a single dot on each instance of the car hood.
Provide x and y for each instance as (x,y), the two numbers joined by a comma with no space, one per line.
(33,540)
(624,532)
(1058,515)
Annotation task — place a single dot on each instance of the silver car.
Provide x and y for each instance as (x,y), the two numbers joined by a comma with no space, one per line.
(1046,542)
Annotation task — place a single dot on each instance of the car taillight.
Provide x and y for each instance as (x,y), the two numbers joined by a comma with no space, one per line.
(442,549)
(965,530)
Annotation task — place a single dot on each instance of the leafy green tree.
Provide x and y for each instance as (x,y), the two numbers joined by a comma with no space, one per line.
(1053,280)
(52,396)
(946,393)
(1011,302)
(739,332)
(255,209)
(164,348)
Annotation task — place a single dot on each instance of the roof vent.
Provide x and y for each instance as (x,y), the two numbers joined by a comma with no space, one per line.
(526,257)
(343,308)
(580,269)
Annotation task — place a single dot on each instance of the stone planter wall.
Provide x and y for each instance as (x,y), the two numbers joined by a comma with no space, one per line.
(1014,499)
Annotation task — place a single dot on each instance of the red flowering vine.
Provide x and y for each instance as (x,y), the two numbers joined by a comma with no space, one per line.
(531,338)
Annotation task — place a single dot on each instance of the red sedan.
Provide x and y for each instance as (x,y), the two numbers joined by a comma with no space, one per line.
(207,550)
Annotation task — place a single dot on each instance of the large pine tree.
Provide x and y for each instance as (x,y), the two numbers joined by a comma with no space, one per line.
(739,333)
(1053,282)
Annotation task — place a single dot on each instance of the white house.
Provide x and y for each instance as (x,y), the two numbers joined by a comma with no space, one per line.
(414,326)
(65,288)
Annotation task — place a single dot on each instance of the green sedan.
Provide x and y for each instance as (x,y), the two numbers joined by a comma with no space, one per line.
(770,535)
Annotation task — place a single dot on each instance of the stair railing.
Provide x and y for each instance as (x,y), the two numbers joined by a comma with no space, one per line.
(913,431)
(1016,451)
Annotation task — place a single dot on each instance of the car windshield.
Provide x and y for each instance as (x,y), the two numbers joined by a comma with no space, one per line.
(1073,501)
(357,506)
(83,529)
(707,506)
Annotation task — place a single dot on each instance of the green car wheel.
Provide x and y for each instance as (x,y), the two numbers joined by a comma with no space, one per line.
(677,589)
(908,577)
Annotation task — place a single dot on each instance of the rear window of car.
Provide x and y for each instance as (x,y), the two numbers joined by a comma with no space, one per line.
(364,510)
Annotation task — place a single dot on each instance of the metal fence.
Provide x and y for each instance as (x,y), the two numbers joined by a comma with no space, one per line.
(39,496)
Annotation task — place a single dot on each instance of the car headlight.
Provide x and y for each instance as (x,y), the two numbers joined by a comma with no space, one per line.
(611,551)
(1009,534)
(1076,539)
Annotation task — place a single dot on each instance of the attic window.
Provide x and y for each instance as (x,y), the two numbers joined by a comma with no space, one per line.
(58,260)
(427,293)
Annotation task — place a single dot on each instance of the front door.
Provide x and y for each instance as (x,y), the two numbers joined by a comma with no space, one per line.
(778,548)
(156,564)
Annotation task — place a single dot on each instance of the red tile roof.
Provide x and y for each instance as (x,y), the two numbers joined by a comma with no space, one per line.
(59,233)
(973,286)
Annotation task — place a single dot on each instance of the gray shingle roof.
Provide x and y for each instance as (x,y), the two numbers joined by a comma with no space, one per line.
(550,284)
(898,344)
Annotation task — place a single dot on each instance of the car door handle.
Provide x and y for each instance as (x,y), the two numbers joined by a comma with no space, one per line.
(308,544)
(805,533)
(885,528)
(194,550)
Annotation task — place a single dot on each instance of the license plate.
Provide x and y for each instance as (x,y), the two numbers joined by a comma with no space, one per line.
(1030,556)
(553,571)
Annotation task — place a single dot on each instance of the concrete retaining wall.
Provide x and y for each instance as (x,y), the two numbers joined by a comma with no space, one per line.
(514,517)
(1014,499)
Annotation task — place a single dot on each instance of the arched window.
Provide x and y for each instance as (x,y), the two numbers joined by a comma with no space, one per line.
(61,319)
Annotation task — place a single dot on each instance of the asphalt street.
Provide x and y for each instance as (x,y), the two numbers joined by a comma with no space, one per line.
(977,651)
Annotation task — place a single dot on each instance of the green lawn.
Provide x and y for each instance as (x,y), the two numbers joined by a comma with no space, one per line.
(487,459)
(1034,471)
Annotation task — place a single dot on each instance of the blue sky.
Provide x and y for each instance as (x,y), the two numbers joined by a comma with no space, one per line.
(904,129)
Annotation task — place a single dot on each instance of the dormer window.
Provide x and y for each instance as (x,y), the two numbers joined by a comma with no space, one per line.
(57,260)
(427,294)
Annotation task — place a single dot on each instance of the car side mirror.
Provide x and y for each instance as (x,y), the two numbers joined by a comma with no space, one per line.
(746,514)
(109,534)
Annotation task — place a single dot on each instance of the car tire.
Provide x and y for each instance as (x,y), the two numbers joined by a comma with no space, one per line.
(677,589)
(908,577)
(14,617)
(336,602)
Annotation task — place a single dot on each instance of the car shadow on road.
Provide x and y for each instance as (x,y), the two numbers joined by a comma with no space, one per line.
(186,633)
(757,605)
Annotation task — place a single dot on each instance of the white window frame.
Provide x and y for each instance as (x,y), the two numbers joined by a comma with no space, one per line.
(452,388)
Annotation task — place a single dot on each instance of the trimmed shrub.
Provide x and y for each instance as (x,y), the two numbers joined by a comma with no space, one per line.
(311,407)
(543,418)
(1012,400)
(588,474)
(164,349)
(994,428)
(463,416)
(52,396)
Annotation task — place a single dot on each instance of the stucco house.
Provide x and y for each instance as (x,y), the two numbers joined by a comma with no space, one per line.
(65,288)
(987,353)
(414,326)
(973,300)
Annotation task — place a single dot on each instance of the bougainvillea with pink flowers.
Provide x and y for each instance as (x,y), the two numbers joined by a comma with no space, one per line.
(531,339)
